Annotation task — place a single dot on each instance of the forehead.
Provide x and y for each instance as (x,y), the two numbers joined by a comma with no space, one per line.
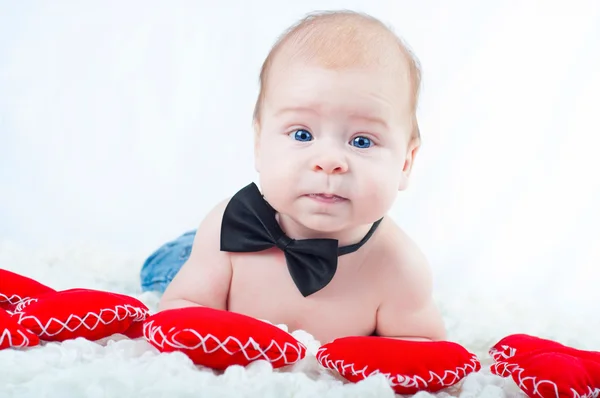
(369,90)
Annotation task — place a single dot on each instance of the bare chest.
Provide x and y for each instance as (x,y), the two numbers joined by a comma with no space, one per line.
(262,287)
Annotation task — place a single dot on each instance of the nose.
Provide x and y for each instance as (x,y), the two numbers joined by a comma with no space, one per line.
(330,163)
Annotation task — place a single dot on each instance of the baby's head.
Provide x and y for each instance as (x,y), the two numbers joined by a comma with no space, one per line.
(336,115)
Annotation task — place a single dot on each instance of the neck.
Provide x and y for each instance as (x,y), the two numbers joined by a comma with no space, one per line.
(345,237)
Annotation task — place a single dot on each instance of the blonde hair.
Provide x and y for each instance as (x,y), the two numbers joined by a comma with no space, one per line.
(306,39)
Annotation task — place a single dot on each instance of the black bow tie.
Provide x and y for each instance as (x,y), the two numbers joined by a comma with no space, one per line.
(249,225)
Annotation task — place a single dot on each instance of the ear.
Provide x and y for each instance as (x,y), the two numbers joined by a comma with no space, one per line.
(411,153)
(256,126)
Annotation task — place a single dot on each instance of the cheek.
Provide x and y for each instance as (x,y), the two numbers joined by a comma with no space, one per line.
(277,176)
(378,184)
(381,187)
(276,166)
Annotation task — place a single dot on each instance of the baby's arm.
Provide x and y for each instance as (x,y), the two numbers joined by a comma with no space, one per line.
(204,278)
(407,310)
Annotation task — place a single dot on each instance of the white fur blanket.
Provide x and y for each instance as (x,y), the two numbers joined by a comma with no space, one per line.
(119,367)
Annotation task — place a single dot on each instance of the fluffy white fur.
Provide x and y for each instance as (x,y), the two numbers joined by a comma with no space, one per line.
(119,367)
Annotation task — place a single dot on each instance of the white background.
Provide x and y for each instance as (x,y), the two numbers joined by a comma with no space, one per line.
(123,123)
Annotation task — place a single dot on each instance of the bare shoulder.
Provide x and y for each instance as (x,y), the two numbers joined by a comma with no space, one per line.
(212,220)
(209,231)
(407,307)
(400,254)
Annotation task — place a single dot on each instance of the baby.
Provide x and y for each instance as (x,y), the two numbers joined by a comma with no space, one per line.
(335,140)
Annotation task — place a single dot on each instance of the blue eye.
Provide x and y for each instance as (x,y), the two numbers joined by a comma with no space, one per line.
(302,135)
(361,142)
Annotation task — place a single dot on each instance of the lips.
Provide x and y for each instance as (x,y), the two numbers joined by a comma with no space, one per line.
(327,198)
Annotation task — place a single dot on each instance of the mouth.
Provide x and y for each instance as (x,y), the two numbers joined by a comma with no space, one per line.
(326,197)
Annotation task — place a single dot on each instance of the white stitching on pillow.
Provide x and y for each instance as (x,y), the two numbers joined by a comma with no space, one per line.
(591,393)
(505,369)
(156,335)
(399,380)
(138,314)
(14,299)
(6,335)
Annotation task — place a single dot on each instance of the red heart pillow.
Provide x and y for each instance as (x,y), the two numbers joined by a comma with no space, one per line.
(217,339)
(15,287)
(87,313)
(543,367)
(13,335)
(410,366)
(515,346)
(510,349)
(550,374)
(135,331)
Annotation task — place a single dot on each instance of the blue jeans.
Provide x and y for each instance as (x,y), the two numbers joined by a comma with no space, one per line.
(161,267)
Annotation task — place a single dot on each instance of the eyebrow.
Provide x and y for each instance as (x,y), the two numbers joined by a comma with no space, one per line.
(355,115)
(370,119)
(292,109)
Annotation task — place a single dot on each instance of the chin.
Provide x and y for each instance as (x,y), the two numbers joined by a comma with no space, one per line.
(325,223)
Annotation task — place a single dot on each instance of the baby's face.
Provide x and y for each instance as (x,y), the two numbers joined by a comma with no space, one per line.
(332,145)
